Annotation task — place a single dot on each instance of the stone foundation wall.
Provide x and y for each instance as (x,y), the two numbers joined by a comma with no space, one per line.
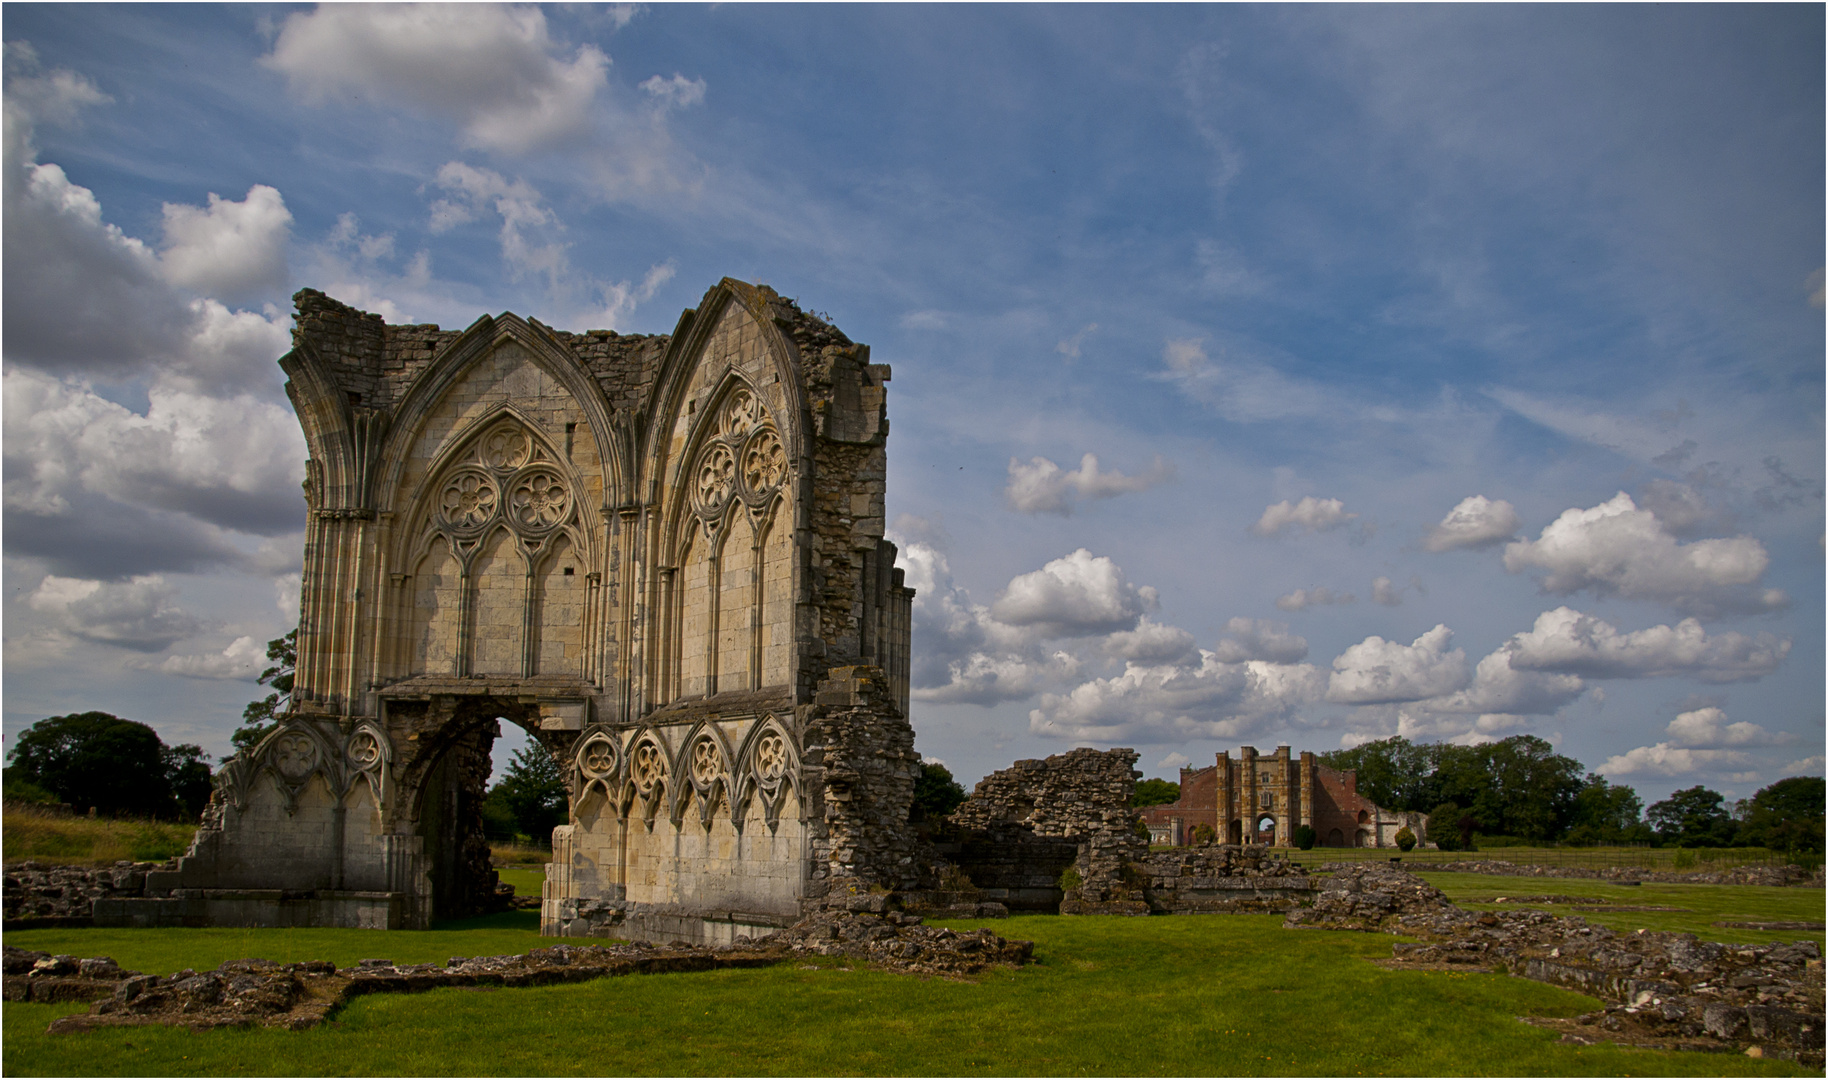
(34,890)
(1227,878)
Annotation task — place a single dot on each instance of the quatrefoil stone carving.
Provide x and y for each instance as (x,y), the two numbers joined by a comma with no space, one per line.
(771,757)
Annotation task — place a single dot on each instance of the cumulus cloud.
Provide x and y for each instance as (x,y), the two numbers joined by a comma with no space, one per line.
(1308,515)
(1042,487)
(234,462)
(986,679)
(1319,596)
(137,614)
(1663,759)
(1172,703)
(961,652)
(493,69)
(1390,594)
(98,302)
(1376,671)
(1152,643)
(1680,508)
(228,249)
(1073,596)
(1708,729)
(1498,687)
(1616,549)
(530,231)
(243,660)
(1476,522)
(1174,760)
(1565,640)
(1257,639)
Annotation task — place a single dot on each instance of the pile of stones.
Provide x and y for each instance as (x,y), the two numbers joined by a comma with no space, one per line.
(1733,875)
(35,891)
(898,942)
(1664,989)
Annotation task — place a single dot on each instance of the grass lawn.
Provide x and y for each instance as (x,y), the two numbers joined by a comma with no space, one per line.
(82,841)
(1704,904)
(1189,995)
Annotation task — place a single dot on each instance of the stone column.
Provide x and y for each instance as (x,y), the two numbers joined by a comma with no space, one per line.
(1247,764)
(1223,798)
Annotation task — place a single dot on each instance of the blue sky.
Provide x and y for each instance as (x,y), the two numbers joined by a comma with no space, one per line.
(1447,371)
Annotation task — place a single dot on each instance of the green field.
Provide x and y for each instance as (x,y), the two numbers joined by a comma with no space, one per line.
(1701,905)
(1187,995)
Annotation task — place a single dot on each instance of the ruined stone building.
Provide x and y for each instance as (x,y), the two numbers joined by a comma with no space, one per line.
(661,555)
(1263,798)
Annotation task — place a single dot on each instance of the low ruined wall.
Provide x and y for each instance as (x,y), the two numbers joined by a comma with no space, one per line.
(1732,875)
(33,890)
(1224,878)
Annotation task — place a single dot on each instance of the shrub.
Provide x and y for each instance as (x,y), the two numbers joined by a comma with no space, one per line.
(1071,879)
(1305,837)
(1444,826)
(1204,833)
(1404,838)
(1685,859)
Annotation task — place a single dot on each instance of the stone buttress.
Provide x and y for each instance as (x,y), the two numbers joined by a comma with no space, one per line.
(663,556)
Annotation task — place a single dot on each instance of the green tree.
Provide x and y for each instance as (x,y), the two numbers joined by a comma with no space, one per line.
(1787,816)
(936,793)
(531,794)
(1405,839)
(1607,813)
(1692,817)
(1444,826)
(1305,837)
(118,767)
(260,717)
(1394,773)
(1155,793)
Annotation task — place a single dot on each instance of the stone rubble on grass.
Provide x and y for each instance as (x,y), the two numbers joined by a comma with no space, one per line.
(1664,988)
(1785,875)
(243,993)
(34,890)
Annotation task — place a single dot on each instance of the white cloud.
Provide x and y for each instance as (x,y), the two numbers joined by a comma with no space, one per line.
(986,679)
(530,231)
(621,298)
(234,462)
(136,614)
(492,68)
(1073,596)
(1257,639)
(1310,515)
(1069,346)
(1565,640)
(1152,643)
(1388,593)
(1475,523)
(1174,760)
(1680,508)
(55,97)
(243,660)
(229,249)
(1042,487)
(1616,549)
(1499,687)
(1172,703)
(1238,387)
(1376,671)
(1663,759)
(1320,596)
(1707,729)
(677,92)
(1809,766)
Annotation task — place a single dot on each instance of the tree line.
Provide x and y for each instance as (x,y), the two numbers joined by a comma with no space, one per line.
(1521,788)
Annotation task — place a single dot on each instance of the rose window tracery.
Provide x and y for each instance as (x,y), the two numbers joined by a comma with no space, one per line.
(294,756)
(764,462)
(469,500)
(507,476)
(648,766)
(743,459)
(364,750)
(716,475)
(706,761)
(506,448)
(598,758)
(539,500)
(771,757)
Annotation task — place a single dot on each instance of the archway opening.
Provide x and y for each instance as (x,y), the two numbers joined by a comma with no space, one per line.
(450,784)
(1335,838)
(1266,829)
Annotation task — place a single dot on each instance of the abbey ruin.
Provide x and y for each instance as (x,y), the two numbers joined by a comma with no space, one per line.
(662,556)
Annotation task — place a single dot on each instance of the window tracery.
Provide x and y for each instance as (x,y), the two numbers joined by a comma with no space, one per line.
(742,434)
